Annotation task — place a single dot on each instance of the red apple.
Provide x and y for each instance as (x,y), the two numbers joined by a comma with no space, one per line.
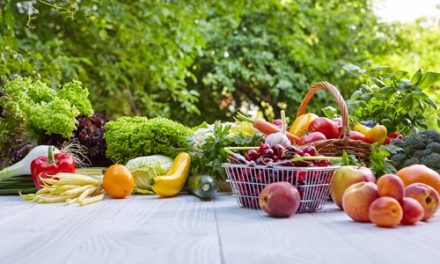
(279,199)
(346,176)
(412,211)
(426,196)
(357,199)
(391,185)
(385,212)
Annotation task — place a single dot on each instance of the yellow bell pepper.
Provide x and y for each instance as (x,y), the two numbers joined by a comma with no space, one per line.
(361,128)
(301,124)
(173,182)
(377,134)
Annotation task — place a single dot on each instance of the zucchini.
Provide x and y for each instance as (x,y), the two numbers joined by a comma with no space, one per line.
(202,186)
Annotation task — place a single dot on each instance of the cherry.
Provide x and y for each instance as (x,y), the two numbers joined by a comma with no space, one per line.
(268,153)
(253,154)
(294,149)
(310,150)
(263,148)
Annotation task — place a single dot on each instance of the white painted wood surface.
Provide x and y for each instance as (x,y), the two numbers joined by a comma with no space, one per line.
(185,230)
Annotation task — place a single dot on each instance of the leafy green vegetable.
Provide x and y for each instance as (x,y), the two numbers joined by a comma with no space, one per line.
(418,148)
(31,109)
(392,99)
(145,168)
(208,154)
(131,137)
(380,164)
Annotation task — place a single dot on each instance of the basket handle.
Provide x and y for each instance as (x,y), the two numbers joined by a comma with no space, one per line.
(339,99)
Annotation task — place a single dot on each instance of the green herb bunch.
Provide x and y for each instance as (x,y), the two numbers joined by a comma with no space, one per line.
(392,98)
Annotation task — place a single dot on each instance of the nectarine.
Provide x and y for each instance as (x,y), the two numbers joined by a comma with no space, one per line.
(412,211)
(357,199)
(279,199)
(426,196)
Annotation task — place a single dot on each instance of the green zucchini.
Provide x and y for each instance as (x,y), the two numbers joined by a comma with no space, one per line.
(202,186)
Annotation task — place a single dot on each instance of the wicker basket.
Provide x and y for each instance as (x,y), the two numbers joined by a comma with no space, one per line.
(335,147)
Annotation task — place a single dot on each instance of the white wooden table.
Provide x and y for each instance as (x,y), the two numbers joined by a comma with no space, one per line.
(184,229)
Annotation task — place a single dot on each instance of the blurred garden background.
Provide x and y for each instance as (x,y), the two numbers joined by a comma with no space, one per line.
(195,61)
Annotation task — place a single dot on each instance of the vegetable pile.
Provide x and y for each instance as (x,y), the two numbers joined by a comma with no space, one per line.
(31,109)
(418,148)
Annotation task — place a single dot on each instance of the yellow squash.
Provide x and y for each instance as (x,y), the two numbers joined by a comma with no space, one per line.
(173,182)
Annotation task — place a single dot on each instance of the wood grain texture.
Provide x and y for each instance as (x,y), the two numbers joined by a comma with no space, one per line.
(185,230)
(249,236)
(135,230)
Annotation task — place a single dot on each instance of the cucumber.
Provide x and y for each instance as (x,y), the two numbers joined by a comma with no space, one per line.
(202,186)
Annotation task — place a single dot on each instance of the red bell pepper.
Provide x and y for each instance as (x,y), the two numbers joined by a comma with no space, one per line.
(46,167)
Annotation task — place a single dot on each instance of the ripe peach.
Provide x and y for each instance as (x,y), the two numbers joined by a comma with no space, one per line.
(279,199)
(412,211)
(391,185)
(426,196)
(346,176)
(385,212)
(357,199)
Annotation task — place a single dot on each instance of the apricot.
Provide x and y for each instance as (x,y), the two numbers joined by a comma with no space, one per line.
(385,212)
(426,196)
(391,185)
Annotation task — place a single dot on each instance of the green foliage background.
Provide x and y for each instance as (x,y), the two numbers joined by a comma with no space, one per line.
(203,60)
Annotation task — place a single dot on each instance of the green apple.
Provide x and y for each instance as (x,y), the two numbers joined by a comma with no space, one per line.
(344,177)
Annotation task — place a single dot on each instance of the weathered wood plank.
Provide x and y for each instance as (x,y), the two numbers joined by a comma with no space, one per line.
(139,229)
(249,236)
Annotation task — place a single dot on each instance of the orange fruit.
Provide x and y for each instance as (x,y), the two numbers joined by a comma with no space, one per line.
(118,181)
(420,173)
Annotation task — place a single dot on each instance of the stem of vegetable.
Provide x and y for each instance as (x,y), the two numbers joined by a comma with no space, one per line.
(50,156)
(317,158)
(229,150)
(243,117)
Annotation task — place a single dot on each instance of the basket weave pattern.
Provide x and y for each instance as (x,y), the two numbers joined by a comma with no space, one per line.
(335,147)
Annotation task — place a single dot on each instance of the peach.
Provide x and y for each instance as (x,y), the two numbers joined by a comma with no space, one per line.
(426,196)
(391,185)
(279,199)
(385,212)
(357,199)
(412,211)
(346,176)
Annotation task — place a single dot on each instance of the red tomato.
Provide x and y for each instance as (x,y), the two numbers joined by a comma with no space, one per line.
(325,126)
(312,137)
(355,135)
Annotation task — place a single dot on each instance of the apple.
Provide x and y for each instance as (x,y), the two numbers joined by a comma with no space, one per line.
(357,199)
(412,211)
(385,212)
(279,199)
(426,196)
(346,176)
(391,185)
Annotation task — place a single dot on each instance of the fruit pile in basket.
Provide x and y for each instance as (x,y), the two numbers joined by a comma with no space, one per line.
(307,172)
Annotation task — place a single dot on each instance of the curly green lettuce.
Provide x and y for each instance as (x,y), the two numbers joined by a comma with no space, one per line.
(36,109)
(131,137)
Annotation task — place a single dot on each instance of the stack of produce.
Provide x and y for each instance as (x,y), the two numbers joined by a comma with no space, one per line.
(410,195)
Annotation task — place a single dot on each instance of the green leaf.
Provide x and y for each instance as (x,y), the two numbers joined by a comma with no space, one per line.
(379,68)
(353,69)
(330,112)
(415,79)
(428,79)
